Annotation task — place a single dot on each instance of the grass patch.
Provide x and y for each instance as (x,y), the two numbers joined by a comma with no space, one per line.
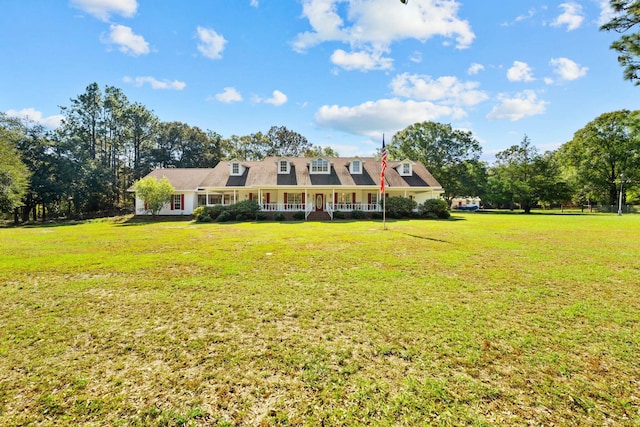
(485,320)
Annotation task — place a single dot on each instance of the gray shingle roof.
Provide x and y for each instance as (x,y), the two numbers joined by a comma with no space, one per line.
(265,174)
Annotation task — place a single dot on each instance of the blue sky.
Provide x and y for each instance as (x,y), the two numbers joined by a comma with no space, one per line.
(339,72)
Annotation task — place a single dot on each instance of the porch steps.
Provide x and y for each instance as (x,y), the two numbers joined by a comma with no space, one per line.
(319,216)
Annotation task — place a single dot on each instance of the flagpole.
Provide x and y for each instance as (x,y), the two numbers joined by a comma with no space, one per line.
(383,167)
(384,211)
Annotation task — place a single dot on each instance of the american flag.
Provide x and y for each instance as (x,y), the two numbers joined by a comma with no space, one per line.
(383,165)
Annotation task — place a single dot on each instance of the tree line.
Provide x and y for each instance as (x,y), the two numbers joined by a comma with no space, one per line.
(106,143)
(602,158)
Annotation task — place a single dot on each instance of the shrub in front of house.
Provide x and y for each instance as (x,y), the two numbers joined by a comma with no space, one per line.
(224,217)
(357,214)
(278,217)
(434,209)
(261,216)
(248,208)
(376,215)
(298,216)
(241,217)
(338,215)
(399,207)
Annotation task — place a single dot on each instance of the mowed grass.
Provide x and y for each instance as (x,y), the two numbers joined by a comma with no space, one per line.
(486,319)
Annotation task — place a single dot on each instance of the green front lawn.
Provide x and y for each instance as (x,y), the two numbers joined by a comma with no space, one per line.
(486,319)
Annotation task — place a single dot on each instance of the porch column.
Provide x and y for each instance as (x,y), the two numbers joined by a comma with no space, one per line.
(235,200)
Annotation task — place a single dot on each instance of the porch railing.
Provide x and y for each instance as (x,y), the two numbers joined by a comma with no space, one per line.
(348,207)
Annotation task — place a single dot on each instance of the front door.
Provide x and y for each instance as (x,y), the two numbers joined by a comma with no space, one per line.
(319,202)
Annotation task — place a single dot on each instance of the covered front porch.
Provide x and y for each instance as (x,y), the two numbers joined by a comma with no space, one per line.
(295,199)
(308,200)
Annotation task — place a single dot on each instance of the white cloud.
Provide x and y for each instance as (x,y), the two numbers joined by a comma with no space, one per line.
(155,83)
(572,16)
(567,69)
(524,104)
(130,43)
(103,9)
(475,68)
(229,95)
(35,116)
(278,98)
(416,57)
(363,61)
(447,89)
(254,3)
(372,118)
(606,12)
(211,43)
(372,26)
(520,72)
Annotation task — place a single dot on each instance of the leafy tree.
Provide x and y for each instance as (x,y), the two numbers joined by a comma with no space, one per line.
(155,192)
(142,129)
(182,146)
(602,151)
(318,151)
(450,155)
(285,143)
(248,147)
(522,176)
(14,174)
(628,46)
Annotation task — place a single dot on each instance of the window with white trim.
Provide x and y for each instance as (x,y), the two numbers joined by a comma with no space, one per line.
(202,199)
(356,167)
(235,168)
(405,169)
(177,201)
(319,166)
(284,166)
(294,198)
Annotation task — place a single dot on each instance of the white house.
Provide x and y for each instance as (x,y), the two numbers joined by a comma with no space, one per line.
(290,184)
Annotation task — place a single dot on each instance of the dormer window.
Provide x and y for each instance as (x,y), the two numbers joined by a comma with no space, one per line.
(406,169)
(284,167)
(355,167)
(235,168)
(320,166)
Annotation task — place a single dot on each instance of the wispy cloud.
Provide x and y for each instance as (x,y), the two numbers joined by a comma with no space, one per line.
(567,69)
(361,60)
(370,33)
(372,118)
(571,16)
(520,72)
(128,42)
(211,43)
(475,68)
(155,83)
(35,116)
(447,90)
(103,9)
(229,95)
(513,108)
(277,98)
